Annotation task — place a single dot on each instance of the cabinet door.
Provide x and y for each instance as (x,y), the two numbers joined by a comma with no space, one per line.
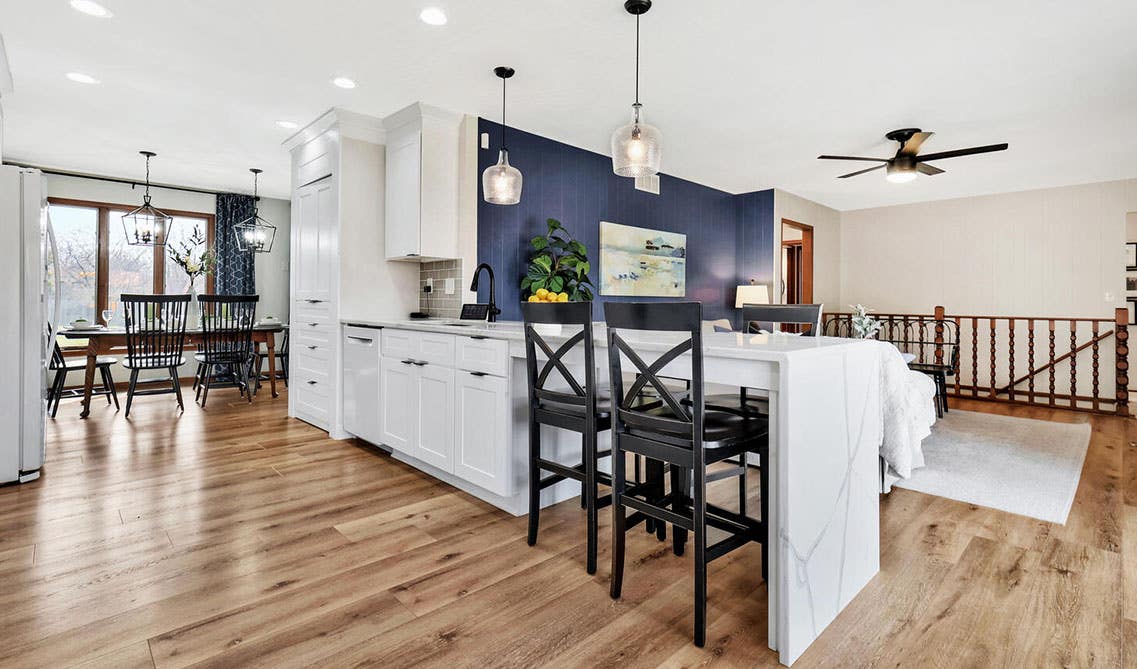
(404,190)
(400,405)
(314,238)
(434,394)
(481,415)
(361,396)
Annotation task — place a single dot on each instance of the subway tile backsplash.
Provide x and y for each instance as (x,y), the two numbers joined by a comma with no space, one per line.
(437,303)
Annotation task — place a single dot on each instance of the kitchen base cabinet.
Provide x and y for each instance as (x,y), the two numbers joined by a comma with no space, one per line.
(481,431)
(398,415)
(434,399)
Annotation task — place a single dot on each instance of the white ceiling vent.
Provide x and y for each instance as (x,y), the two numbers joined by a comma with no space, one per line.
(648,184)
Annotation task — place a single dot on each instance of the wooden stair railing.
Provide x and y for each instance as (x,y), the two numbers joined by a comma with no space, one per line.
(986,352)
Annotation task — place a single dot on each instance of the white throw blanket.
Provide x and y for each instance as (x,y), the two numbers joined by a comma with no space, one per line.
(907,402)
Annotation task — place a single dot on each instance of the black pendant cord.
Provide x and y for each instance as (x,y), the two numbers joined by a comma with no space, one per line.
(146,195)
(255,198)
(637,59)
(503,147)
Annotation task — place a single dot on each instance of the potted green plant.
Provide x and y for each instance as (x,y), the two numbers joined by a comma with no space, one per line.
(558,268)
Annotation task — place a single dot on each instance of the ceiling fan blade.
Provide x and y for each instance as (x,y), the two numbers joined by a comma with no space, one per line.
(928,169)
(963,152)
(912,146)
(878,160)
(853,174)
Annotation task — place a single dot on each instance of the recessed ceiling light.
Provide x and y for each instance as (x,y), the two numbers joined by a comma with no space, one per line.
(344,82)
(91,7)
(433,16)
(81,78)
(288,125)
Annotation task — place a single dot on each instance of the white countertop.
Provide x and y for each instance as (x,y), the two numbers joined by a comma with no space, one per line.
(718,344)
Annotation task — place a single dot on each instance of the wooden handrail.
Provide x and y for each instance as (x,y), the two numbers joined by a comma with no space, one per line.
(1064,356)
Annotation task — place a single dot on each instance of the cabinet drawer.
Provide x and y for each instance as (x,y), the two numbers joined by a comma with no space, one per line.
(313,331)
(311,381)
(477,354)
(435,348)
(317,355)
(303,310)
(399,344)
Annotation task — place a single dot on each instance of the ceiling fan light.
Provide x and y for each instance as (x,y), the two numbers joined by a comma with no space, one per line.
(898,174)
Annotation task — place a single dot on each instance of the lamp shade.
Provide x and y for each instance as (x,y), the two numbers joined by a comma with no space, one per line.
(755,293)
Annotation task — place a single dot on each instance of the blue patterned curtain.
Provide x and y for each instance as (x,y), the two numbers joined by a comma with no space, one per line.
(234,266)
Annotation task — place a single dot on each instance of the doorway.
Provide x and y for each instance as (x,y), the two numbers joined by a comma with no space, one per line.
(797,262)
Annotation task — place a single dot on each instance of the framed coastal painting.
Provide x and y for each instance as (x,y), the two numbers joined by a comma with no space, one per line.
(642,262)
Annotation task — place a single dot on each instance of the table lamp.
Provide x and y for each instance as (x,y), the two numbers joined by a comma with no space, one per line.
(754,293)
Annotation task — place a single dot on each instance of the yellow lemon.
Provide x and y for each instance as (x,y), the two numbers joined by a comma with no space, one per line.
(534,298)
(563,297)
(541,293)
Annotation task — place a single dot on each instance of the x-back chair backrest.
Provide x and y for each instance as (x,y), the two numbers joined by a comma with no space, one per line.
(679,419)
(570,314)
(155,329)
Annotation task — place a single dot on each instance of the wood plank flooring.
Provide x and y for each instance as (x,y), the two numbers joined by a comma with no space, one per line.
(234,536)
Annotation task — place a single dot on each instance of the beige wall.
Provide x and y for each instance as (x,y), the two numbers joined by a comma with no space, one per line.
(826,224)
(1049,252)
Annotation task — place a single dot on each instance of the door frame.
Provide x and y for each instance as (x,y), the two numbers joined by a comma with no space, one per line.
(806,243)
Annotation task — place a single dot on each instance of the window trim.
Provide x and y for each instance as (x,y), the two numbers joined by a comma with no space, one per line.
(104,212)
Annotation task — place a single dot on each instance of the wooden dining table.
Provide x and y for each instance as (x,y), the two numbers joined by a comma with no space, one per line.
(103,341)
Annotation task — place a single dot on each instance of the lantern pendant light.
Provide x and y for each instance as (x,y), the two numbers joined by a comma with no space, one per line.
(255,234)
(501,183)
(636,146)
(146,226)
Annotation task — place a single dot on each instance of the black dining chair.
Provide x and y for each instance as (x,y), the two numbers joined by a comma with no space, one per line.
(686,437)
(281,361)
(155,338)
(227,354)
(63,365)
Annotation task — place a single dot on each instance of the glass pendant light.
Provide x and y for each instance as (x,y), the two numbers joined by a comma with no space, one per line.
(501,183)
(146,226)
(636,146)
(255,234)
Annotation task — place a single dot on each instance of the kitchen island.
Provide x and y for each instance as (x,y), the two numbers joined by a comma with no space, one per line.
(450,398)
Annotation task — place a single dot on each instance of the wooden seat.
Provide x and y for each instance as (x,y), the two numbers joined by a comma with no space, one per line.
(155,336)
(682,436)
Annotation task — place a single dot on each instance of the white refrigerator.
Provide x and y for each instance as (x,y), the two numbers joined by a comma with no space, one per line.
(28,294)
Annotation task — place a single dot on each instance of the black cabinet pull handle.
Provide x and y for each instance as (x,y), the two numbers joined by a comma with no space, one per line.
(478,337)
(312,347)
(311,383)
(313,301)
(478,374)
(407,362)
(313,324)
(420,363)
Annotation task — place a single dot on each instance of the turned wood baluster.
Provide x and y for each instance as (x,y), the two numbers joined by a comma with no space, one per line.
(1051,362)
(992,324)
(1073,364)
(956,353)
(939,316)
(1030,359)
(975,356)
(1094,369)
(1121,355)
(1011,357)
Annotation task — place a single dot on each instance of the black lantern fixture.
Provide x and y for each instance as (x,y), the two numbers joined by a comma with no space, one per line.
(501,183)
(636,146)
(146,226)
(255,234)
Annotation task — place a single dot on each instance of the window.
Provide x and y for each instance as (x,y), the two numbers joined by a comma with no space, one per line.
(97,265)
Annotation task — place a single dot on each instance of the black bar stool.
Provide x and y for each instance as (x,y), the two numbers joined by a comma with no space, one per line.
(571,406)
(685,436)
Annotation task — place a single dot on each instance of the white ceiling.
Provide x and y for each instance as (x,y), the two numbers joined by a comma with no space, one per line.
(746,92)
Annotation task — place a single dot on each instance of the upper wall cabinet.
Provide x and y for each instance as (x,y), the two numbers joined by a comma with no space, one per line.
(424,169)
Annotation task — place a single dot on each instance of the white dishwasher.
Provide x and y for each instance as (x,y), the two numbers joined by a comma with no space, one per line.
(361,408)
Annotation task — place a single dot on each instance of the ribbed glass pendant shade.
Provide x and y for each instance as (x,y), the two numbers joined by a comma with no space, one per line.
(501,183)
(636,147)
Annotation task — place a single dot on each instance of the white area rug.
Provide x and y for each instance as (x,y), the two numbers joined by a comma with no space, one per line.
(1028,467)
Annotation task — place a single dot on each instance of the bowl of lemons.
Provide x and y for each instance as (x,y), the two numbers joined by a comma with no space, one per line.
(543,295)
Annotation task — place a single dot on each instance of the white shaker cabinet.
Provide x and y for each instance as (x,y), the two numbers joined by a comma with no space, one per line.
(481,431)
(398,410)
(434,411)
(423,183)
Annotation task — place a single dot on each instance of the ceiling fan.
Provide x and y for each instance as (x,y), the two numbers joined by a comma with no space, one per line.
(908,161)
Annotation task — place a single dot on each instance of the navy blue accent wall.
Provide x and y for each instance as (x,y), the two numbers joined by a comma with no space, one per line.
(728,237)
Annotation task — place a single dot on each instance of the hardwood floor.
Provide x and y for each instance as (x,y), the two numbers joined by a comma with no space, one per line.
(234,536)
